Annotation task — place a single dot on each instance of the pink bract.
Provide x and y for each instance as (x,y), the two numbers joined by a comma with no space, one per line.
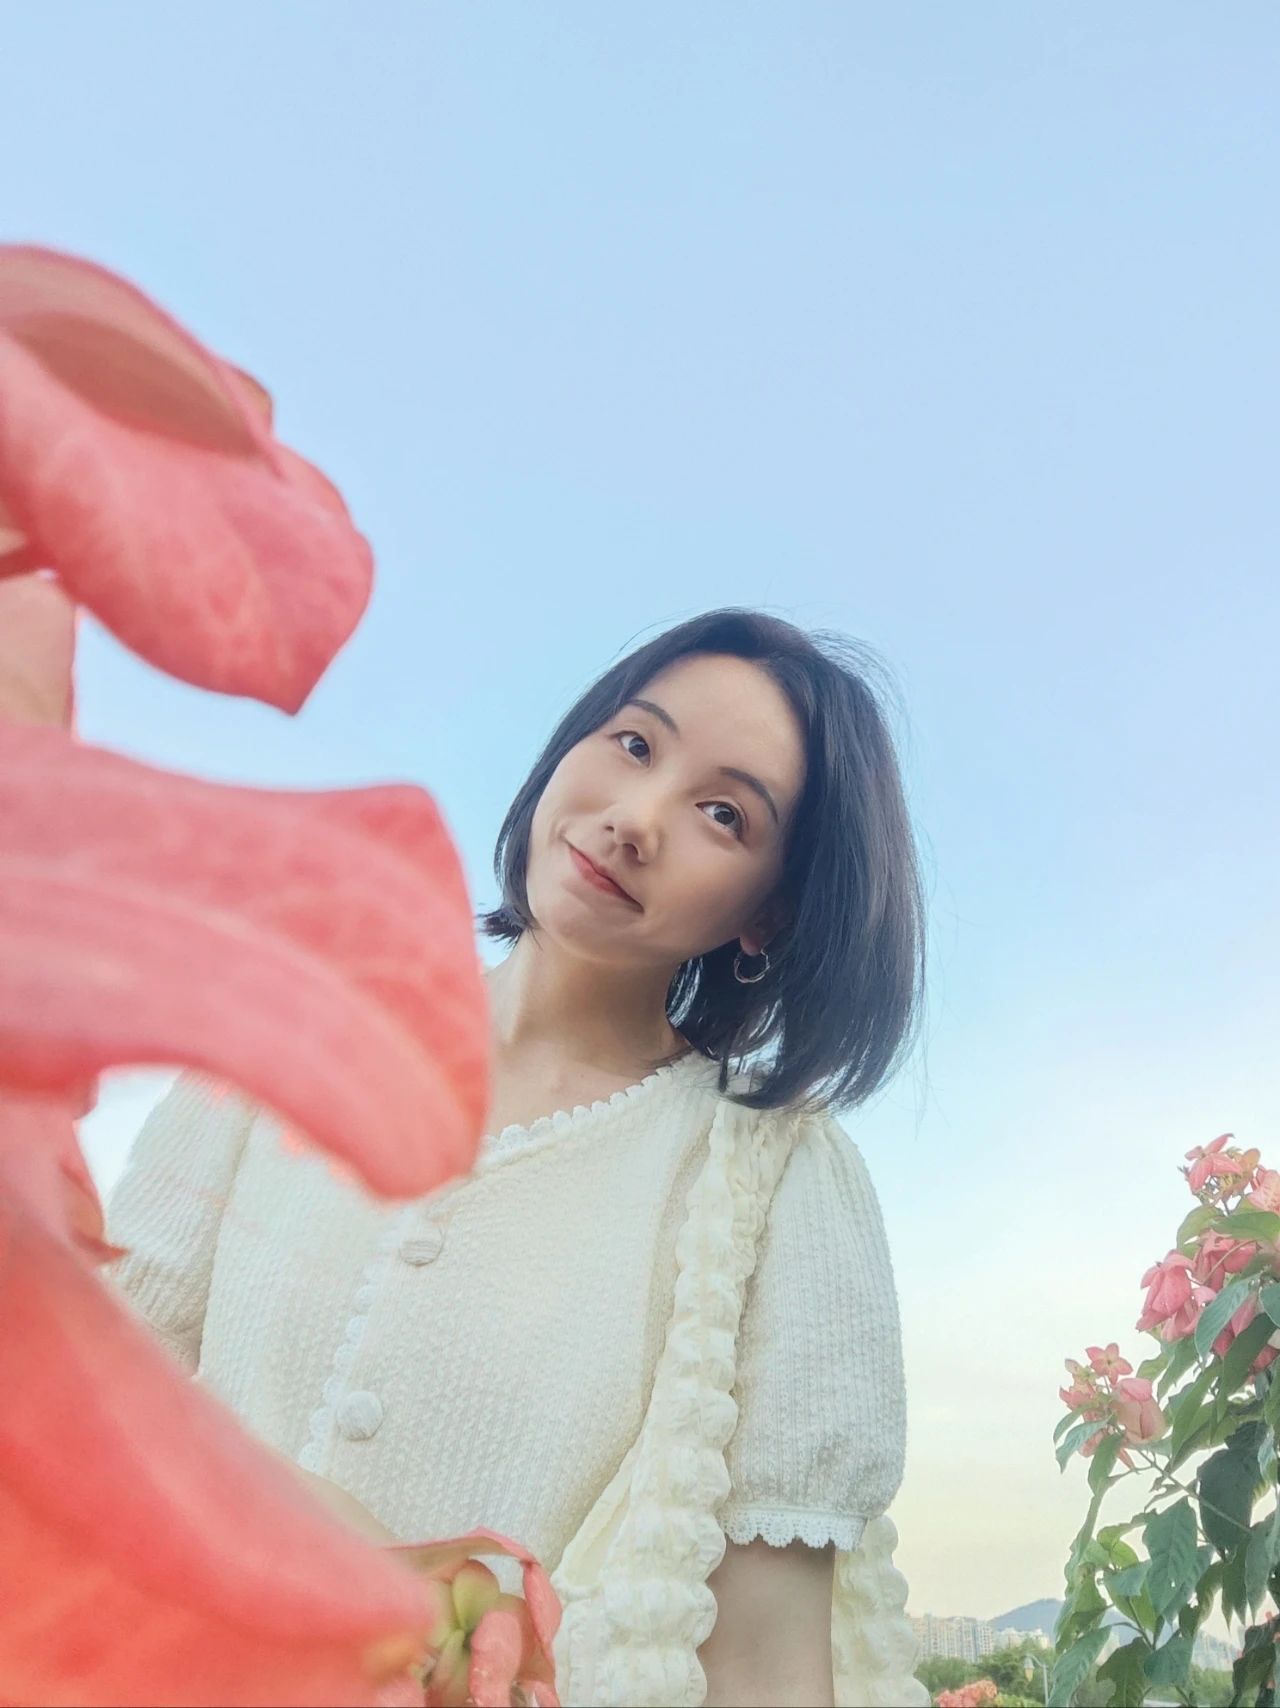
(1168,1285)
(37,648)
(1106,1361)
(315,950)
(139,466)
(1265,1192)
(1137,1412)
(1201,1158)
(146,1529)
(1218,1256)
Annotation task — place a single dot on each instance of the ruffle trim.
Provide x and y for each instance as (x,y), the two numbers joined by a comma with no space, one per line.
(779,1526)
(516,1137)
(633,1581)
(314,1456)
(632,1636)
(874,1651)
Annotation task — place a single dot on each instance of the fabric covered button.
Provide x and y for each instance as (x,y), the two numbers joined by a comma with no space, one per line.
(359,1415)
(423,1247)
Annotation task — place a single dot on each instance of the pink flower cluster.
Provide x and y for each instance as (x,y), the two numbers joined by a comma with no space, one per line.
(1217,1174)
(1106,1392)
(1180,1286)
(976,1695)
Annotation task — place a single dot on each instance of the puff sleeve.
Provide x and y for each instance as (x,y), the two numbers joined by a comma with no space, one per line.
(820,1441)
(167,1206)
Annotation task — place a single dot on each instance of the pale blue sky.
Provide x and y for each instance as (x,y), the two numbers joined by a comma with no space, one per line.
(950,327)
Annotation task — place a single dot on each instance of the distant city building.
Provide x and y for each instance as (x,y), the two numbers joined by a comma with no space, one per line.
(1011,1639)
(1210,1651)
(957,1639)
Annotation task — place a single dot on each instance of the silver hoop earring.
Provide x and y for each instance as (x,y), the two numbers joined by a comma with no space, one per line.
(754,978)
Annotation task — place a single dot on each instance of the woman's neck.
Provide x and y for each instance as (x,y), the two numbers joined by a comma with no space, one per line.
(546,1004)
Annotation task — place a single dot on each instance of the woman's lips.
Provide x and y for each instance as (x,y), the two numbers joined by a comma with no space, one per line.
(597,880)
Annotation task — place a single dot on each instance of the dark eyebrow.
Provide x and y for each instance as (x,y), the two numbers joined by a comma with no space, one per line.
(752,782)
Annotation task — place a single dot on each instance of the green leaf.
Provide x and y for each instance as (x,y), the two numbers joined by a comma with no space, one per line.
(1171,1662)
(1269,1299)
(1195,1222)
(1126,1585)
(1226,1487)
(1256,1662)
(1215,1317)
(1171,1548)
(1081,1613)
(1186,1412)
(1181,1359)
(1240,1414)
(1131,1581)
(1070,1668)
(1081,1541)
(1073,1439)
(1118,1551)
(1103,1459)
(1233,1602)
(1271,1403)
(1267,1456)
(1263,1551)
(1064,1424)
(1250,1224)
(1123,1668)
(1242,1352)
(1208,1581)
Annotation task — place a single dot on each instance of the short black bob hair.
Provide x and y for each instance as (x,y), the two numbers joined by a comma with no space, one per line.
(838,1006)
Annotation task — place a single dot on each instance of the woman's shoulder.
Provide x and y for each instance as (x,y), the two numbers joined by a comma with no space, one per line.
(825,1209)
(823,1156)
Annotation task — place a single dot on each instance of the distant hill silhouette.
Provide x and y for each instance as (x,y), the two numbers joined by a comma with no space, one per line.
(1042,1615)
(1035,1616)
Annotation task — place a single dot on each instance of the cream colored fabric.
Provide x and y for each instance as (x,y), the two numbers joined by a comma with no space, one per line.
(501,1352)
(633,1580)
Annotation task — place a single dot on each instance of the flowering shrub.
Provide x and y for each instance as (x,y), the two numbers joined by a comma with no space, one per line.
(314,949)
(1213,1305)
(980,1694)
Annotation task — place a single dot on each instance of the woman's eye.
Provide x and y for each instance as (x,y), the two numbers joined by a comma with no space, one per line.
(738,824)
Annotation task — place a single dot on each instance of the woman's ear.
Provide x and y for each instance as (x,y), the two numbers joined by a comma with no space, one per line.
(766,925)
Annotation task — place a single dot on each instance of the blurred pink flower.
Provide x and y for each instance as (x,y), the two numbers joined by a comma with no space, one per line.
(1183,1322)
(1084,1385)
(1106,1361)
(1219,1256)
(1265,1194)
(1137,1412)
(1201,1158)
(979,1694)
(1243,1167)
(1169,1291)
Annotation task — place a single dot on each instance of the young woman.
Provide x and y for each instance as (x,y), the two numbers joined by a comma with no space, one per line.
(654,1334)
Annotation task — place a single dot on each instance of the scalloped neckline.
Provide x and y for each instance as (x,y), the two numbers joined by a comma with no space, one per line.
(517,1134)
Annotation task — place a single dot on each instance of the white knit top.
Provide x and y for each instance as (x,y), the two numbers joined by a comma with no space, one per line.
(660,1280)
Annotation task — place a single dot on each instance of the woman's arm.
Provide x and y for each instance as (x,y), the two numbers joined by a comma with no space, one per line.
(771,1644)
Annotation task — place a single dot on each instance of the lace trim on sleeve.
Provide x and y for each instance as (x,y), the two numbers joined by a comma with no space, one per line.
(781,1525)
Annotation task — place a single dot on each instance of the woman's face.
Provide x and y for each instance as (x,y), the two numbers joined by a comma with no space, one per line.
(646,796)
